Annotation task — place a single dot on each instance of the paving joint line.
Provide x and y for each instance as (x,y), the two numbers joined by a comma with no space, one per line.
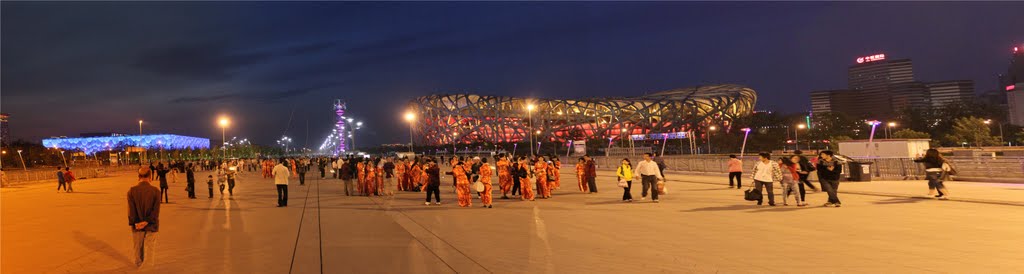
(298,233)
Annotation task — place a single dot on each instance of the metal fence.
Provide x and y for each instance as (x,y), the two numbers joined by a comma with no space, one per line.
(16,177)
(976,168)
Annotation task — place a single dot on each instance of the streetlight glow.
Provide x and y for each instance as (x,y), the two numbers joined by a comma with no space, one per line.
(712,128)
(801,126)
(530,107)
(223,122)
(409,116)
(892,124)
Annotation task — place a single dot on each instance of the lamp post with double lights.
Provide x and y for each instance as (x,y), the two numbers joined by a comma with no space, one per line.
(223,122)
(746,132)
(410,118)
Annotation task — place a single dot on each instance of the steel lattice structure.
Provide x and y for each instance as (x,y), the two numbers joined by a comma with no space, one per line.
(467,118)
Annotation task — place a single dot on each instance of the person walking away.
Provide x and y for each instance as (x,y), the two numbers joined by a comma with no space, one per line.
(735,171)
(485,178)
(400,174)
(591,174)
(790,180)
(433,183)
(69,177)
(60,180)
(806,167)
(581,175)
(389,175)
(345,173)
(209,184)
(935,168)
(161,173)
(143,218)
(765,172)
(649,175)
(661,165)
(829,170)
(625,174)
(281,174)
(190,178)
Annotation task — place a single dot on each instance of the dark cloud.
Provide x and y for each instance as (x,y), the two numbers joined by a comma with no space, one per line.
(205,61)
(270,96)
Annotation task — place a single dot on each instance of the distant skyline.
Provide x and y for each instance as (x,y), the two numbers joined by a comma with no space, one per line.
(274,67)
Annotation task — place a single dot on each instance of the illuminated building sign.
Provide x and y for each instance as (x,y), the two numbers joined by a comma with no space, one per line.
(91,145)
(1011,87)
(871,58)
(658,136)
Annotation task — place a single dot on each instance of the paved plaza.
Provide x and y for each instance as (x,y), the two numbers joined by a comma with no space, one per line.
(699,227)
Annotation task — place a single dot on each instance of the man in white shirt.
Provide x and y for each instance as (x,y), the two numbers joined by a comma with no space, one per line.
(764,174)
(649,174)
(281,180)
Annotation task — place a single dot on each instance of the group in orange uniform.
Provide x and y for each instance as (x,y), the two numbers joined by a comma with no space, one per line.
(540,170)
(485,179)
(504,176)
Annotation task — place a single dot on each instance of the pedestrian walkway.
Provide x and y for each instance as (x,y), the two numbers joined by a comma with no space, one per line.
(699,227)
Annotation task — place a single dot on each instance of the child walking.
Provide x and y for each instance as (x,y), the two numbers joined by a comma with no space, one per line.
(209,185)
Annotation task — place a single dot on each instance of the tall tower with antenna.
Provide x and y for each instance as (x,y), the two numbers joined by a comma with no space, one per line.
(339,126)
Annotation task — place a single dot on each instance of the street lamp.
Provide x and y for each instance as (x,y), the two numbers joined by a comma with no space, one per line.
(871,139)
(710,130)
(888,130)
(410,117)
(140,127)
(796,137)
(989,121)
(529,113)
(22,161)
(223,122)
(746,132)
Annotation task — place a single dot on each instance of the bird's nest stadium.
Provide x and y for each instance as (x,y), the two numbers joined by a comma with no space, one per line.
(469,118)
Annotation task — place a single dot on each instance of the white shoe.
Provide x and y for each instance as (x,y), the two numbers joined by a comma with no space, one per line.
(643,198)
(426,203)
(437,203)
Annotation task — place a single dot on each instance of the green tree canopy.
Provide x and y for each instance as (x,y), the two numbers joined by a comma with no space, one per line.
(971,130)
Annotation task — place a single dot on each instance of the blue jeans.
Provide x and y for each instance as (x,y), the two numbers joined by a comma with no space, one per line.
(832,187)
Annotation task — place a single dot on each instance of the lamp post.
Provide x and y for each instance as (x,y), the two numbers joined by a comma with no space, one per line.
(529,113)
(796,137)
(223,122)
(746,132)
(710,130)
(455,135)
(871,139)
(989,121)
(22,161)
(888,129)
(140,127)
(410,117)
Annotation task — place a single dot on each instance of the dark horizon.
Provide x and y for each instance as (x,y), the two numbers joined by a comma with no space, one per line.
(274,67)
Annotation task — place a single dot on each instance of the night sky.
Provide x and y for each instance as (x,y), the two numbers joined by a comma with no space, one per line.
(274,68)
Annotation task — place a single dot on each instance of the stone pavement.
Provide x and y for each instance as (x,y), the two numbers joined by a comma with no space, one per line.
(700,227)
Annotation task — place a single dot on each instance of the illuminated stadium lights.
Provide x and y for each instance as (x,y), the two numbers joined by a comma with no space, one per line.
(91,145)
(501,119)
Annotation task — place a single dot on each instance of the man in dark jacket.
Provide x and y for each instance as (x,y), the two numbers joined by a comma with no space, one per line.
(433,182)
(805,171)
(60,180)
(143,217)
(591,174)
(829,170)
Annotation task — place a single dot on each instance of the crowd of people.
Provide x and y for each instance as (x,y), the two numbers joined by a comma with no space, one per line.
(518,177)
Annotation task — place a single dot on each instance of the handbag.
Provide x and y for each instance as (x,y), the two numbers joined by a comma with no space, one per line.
(478,186)
(948,168)
(623,184)
(661,188)
(751,195)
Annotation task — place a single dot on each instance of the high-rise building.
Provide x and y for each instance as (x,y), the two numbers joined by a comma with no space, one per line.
(1013,83)
(875,72)
(950,92)
(5,132)
(878,88)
